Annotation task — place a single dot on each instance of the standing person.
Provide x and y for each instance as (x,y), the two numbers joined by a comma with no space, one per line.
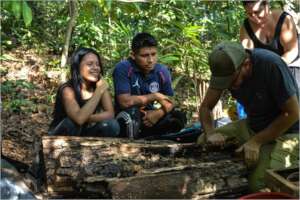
(83,104)
(274,30)
(269,29)
(260,80)
(142,92)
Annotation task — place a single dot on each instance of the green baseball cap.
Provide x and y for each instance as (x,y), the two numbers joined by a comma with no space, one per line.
(224,60)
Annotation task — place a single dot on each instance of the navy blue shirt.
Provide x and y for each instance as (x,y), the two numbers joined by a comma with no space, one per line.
(269,87)
(128,79)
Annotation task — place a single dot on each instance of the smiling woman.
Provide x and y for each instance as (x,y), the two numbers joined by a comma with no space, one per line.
(83,104)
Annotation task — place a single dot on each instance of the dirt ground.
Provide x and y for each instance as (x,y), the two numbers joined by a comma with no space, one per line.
(26,91)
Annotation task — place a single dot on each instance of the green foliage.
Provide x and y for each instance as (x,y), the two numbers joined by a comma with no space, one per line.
(27,13)
(16,8)
(20,8)
(15,98)
(19,105)
(186,30)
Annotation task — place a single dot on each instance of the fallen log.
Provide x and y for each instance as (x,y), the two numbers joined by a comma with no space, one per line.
(91,167)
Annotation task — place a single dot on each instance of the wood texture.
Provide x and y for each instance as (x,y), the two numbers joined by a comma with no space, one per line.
(119,168)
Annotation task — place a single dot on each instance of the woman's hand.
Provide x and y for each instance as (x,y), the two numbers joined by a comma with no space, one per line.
(102,85)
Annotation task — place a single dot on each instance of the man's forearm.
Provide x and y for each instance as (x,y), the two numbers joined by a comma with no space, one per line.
(281,124)
(140,100)
(166,105)
(206,119)
(127,101)
(288,116)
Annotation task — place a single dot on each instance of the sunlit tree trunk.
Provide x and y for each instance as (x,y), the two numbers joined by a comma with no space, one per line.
(73,10)
(218,109)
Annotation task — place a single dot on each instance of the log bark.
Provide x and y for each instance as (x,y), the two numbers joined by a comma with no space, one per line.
(119,168)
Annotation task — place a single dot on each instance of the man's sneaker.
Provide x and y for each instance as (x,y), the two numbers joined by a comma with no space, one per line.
(129,124)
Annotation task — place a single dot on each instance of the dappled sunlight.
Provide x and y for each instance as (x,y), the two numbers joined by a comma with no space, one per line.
(86,156)
(291,144)
(60,142)
(73,162)
(210,187)
(123,150)
(184,188)
(126,150)
(287,161)
(91,143)
(174,148)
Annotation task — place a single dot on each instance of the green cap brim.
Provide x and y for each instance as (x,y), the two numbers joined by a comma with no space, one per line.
(220,82)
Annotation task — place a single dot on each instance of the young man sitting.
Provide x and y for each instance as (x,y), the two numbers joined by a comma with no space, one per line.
(142,92)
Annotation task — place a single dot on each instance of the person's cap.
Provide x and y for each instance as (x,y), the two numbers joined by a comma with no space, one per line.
(224,60)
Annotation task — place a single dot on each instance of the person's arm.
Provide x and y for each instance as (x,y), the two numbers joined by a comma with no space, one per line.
(106,104)
(151,117)
(72,108)
(245,39)
(205,112)
(127,100)
(166,104)
(278,82)
(289,40)
(288,116)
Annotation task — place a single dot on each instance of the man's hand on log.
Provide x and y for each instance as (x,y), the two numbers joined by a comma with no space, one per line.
(216,139)
(251,151)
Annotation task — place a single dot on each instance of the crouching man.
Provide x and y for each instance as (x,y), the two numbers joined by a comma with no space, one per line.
(142,92)
(260,80)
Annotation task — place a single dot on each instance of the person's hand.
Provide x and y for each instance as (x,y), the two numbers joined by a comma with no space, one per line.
(102,85)
(216,139)
(161,97)
(251,151)
(151,117)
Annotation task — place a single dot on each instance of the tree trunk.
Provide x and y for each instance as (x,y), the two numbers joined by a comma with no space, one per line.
(73,15)
(218,109)
(120,168)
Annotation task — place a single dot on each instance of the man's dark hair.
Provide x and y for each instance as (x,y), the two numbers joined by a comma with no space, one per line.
(245,2)
(141,40)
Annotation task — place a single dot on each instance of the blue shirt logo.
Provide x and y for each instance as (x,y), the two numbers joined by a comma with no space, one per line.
(154,87)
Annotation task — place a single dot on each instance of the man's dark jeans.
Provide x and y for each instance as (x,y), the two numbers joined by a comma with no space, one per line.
(172,122)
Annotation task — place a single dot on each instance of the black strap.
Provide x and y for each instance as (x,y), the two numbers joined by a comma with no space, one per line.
(279,25)
(251,33)
(274,45)
(278,30)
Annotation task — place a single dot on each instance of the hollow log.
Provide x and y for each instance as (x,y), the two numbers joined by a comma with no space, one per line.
(89,167)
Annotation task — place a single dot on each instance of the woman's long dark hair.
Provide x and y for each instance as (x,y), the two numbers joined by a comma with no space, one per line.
(75,82)
(76,78)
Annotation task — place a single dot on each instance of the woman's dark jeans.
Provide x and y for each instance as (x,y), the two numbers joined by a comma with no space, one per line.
(105,128)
